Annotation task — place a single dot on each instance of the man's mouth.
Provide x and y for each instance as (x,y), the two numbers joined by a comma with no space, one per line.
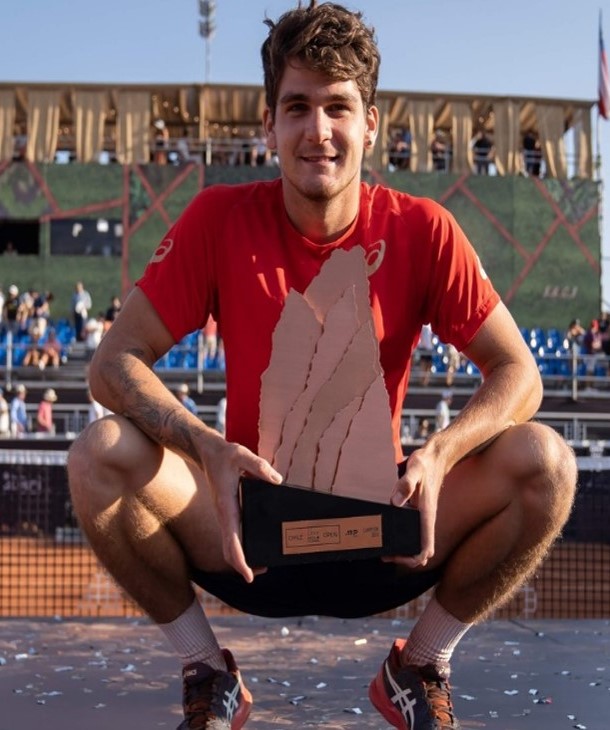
(320,159)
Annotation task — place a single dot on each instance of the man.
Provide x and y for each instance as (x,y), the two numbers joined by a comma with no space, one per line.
(442,412)
(81,304)
(182,393)
(44,415)
(156,490)
(18,412)
(5,419)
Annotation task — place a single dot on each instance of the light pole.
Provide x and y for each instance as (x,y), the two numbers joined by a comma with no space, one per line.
(207,26)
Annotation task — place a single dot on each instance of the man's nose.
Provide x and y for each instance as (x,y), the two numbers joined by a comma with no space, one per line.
(318,126)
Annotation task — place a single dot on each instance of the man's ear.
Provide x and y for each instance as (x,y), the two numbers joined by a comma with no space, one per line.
(269,128)
(372,126)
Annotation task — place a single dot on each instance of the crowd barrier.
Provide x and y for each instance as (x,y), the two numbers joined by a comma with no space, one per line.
(47,568)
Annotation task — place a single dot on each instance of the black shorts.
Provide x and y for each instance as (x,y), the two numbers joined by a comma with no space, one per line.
(345,589)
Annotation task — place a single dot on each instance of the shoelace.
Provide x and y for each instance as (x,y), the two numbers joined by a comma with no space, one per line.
(437,692)
(199,701)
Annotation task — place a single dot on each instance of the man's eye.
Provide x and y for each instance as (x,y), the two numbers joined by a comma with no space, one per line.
(296,108)
(338,109)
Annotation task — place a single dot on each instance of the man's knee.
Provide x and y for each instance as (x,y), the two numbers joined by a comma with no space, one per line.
(550,471)
(107,450)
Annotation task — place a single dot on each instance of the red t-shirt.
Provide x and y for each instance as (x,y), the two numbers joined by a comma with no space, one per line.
(235,254)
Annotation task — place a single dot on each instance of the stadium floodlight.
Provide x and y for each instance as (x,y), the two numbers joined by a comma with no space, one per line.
(207,27)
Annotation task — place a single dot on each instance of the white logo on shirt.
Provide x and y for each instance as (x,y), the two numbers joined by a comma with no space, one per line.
(164,248)
(374,256)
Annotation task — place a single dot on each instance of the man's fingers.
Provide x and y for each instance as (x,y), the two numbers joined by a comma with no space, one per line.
(264,470)
(403,491)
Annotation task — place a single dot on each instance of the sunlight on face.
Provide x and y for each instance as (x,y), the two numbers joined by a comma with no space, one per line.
(319,131)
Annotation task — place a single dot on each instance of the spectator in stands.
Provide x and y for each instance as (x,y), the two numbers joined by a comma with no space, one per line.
(441,151)
(210,342)
(112,312)
(604,328)
(400,150)
(96,410)
(182,393)
(423,429)
(442,416)
(51,351)
(483,153)
(575,334)
(26,311)
(10,320)
(453,360)
(425,350)
(156,490)
(161,142)
(261,151)
(593,349)
(94,331)
(10,250)
(32,355)
(44,415)
(41,313)
(532,153)
(18,412)
(5,418)
(81,304)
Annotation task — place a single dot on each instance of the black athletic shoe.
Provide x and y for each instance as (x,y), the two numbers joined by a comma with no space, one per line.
(214,700)
(411,697)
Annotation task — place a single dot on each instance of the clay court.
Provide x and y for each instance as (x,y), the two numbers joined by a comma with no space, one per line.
(74,652)
(309,673)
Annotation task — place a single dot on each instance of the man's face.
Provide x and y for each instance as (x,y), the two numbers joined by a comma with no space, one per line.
(319,131)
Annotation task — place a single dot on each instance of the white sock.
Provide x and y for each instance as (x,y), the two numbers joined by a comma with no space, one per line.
(192,638)
(434,637)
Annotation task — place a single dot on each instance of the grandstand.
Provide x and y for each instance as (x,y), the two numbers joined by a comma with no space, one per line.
(82,198)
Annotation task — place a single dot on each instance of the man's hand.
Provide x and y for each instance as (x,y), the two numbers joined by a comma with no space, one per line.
(223,469)
(420,486)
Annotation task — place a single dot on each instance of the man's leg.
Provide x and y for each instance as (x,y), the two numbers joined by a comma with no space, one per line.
(499,513)
(143,510)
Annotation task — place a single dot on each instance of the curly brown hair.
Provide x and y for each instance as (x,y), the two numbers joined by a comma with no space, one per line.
(326,38)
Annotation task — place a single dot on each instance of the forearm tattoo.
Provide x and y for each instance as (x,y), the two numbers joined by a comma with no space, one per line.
(127,378)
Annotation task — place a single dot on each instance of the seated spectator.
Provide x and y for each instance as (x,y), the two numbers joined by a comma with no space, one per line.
(94,331)
(483,153)
(453,362)
(44,416)
(32,355)
(50,351)
(42,311)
